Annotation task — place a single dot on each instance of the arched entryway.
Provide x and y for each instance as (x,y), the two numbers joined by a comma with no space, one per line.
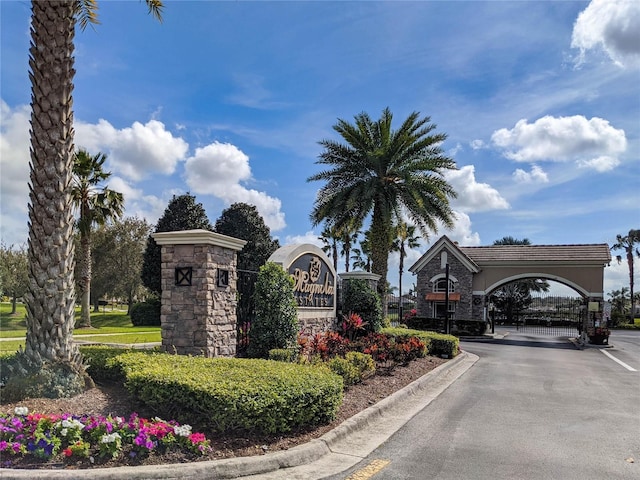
(478,271)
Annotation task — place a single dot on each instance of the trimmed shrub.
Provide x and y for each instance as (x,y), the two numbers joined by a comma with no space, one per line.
(360,298)
(101,365)
(347,370)
(363,362)
(436,343)
(276,322)
(289,355)
(146,313)
(227,394)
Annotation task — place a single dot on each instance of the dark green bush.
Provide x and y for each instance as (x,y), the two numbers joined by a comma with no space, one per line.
(146,313)
(360,298)
(276,322)
(227,394)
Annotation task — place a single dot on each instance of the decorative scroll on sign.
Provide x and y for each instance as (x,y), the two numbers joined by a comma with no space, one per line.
(314,282)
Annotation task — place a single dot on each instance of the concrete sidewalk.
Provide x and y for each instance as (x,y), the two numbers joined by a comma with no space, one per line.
(334,452)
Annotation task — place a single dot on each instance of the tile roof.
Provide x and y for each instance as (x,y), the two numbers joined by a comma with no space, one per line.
(578,254)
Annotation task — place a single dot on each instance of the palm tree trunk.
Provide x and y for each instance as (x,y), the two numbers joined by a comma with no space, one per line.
(380,250)
(50,296)
(85,280)
(630,262)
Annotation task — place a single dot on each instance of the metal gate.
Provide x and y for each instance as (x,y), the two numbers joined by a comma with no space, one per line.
(549,315)
(246,310)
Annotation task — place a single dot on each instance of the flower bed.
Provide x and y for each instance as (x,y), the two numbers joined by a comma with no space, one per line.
(70,439)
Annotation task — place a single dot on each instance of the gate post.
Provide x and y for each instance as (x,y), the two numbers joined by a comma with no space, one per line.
(198,311)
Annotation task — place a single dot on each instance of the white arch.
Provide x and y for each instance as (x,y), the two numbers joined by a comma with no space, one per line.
(545,276)
(443,275)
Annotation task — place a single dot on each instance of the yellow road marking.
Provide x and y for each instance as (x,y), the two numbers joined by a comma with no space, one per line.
(369,471)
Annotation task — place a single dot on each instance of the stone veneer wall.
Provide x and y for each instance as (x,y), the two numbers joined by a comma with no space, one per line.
(199,319)
(464,286)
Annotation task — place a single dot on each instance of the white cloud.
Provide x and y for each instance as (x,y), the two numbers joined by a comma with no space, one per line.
(616,275)
(14,169)
(136,151)
(461,231)
(219,169)
(536,175)
(477,144)
(613,26)
(560,139)
(309,237)
(473,196)
(600,164)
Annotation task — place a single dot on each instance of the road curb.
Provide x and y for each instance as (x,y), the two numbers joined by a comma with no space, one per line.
(402,405)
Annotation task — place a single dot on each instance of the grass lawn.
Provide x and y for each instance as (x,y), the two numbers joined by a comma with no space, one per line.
(108,326)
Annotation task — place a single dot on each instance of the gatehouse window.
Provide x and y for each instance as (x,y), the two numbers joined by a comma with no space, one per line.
(441,285)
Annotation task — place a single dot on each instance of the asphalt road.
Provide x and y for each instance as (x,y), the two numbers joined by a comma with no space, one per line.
(532,407)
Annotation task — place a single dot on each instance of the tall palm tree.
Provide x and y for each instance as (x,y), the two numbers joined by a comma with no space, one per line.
(380,172)
(405,237)
(628,244)
(96,205)
(50,297)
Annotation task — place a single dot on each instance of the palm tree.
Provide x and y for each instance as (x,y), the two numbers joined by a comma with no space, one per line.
(329,238)
(96,206)
(405,238)
(381,172)
(628,244)
(362,256)
(50,297)
(348,237)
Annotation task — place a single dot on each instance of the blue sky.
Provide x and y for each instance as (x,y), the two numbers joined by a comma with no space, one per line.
(228,100)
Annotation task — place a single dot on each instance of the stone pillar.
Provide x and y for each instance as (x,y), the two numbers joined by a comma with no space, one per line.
(345,277)
(198,313)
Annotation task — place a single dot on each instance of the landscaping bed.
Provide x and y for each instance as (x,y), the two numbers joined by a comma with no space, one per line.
(115,400)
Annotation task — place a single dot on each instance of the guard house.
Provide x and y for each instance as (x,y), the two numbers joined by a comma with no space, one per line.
(471,274)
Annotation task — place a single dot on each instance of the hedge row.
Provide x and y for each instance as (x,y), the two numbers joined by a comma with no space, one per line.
(458,327)
(227,394)
(437,343)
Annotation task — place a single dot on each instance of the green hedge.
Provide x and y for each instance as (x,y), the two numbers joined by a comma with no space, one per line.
(226,394)
(437,343)
(458,327)
(146,313)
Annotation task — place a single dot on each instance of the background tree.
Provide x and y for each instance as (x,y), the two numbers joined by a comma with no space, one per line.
(96,204)
(512,299)
(118,253)
(628,244)
(329,239)
(348,237)
(362,256)
(618,299)
(515,297)
(51,363)
(182,213)
(405,237)
(243,221)
(13,272)
(379,172)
